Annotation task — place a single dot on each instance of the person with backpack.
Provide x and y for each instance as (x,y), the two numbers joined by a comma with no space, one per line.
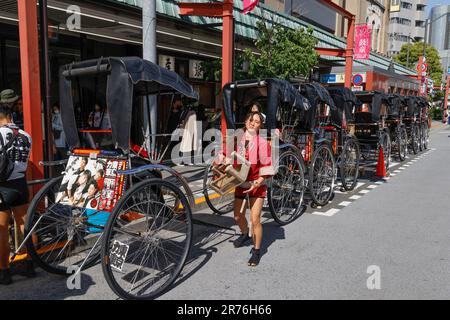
(15,147)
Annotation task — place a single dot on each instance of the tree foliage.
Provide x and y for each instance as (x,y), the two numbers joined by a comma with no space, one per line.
(284,53)
(415,51)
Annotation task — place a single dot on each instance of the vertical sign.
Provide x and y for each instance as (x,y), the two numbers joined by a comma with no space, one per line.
(167,62)
(195,69)
(249,5)
(363,36)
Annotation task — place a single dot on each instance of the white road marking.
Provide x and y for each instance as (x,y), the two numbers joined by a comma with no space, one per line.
(345,204)
(355,197)
(329,213)
(372,187)
(364,191)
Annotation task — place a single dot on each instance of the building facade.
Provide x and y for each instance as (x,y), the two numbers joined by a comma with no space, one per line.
(370,12)
(406,23)
(440,33)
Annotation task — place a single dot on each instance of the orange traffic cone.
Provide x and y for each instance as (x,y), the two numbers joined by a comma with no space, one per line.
(381,166)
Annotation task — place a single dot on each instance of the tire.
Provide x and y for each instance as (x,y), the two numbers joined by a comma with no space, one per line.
(421,137)
(159,240)
(322,175)
(349,163)
(385,143)
(52,226)
(402,144)
(285,195)
(426,136)
(220,205)
(415,139)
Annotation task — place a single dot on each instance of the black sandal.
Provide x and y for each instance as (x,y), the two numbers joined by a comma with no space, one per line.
(242,240)
(255,258)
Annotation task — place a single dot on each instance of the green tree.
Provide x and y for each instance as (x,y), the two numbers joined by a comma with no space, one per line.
(284,53)
(415,51)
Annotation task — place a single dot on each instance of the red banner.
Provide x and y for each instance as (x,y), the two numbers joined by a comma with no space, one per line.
(249,5)
(363,39)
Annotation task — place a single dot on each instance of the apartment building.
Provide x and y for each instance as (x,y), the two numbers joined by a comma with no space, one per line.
(372,12)
(406,23)
(439,35)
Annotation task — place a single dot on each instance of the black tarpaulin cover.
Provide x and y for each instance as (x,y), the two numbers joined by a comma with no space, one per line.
(126,77)
(278,92)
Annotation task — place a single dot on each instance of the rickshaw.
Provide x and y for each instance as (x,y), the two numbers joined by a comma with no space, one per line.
(423,120)
(138,225)
(284,107)
(396,127)
(348,150)
(412,113)
(370,125)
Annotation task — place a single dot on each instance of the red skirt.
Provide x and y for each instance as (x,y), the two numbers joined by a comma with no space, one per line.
(261,192)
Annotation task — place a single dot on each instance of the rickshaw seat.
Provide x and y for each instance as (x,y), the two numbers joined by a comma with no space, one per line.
(363,117)
(230,177)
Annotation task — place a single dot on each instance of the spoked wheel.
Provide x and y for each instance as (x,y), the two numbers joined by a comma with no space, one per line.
(322,175)
(142,258)
(219,204)
(425,135)
(415,139)
(385,143)
(349,165)
(60,237)
(402,144)
(287,189)
(421,137)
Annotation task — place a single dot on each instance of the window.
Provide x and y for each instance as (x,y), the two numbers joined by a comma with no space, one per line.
(421,7)
(407,5)
(420,24)
(403,21)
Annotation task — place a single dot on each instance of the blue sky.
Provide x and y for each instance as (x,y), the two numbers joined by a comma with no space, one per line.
(432,3)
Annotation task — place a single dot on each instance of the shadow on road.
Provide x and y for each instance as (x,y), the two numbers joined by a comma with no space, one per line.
(45,287)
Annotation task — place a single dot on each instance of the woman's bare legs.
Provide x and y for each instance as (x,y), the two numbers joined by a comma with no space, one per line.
(256,205)
(4,239)
(239,217)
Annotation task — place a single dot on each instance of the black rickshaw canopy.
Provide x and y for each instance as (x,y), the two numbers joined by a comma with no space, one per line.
(376,99)
(414,106)
(318,95)
(126,78)
(278,92)
(345,101)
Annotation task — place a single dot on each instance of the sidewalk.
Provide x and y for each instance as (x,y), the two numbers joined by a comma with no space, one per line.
(437,125)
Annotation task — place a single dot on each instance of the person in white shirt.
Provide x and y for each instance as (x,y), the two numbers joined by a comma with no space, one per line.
(14,194)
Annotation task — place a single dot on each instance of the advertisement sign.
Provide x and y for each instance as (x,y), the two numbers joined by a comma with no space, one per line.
(363,36)
(91,186)
(337,78)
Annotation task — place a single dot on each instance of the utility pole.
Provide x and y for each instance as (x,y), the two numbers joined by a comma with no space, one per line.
(149,53)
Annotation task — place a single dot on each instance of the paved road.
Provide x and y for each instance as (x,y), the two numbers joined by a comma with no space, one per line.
(400,226)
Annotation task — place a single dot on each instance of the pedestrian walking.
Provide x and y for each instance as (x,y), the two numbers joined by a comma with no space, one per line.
(58,134)
(257,151)
(15,147)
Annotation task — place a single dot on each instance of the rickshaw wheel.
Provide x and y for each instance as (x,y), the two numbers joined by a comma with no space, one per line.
(322,175)
(220,205)
(385,143)
(421,138)
(415,139)
(349,166)
(60,239)
(426,136)
(285,196)
(402,144)
(142,258)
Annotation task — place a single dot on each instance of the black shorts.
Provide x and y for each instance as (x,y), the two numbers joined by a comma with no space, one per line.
(14,193)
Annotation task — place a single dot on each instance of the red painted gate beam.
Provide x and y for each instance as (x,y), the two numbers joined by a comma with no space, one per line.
(31,89)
